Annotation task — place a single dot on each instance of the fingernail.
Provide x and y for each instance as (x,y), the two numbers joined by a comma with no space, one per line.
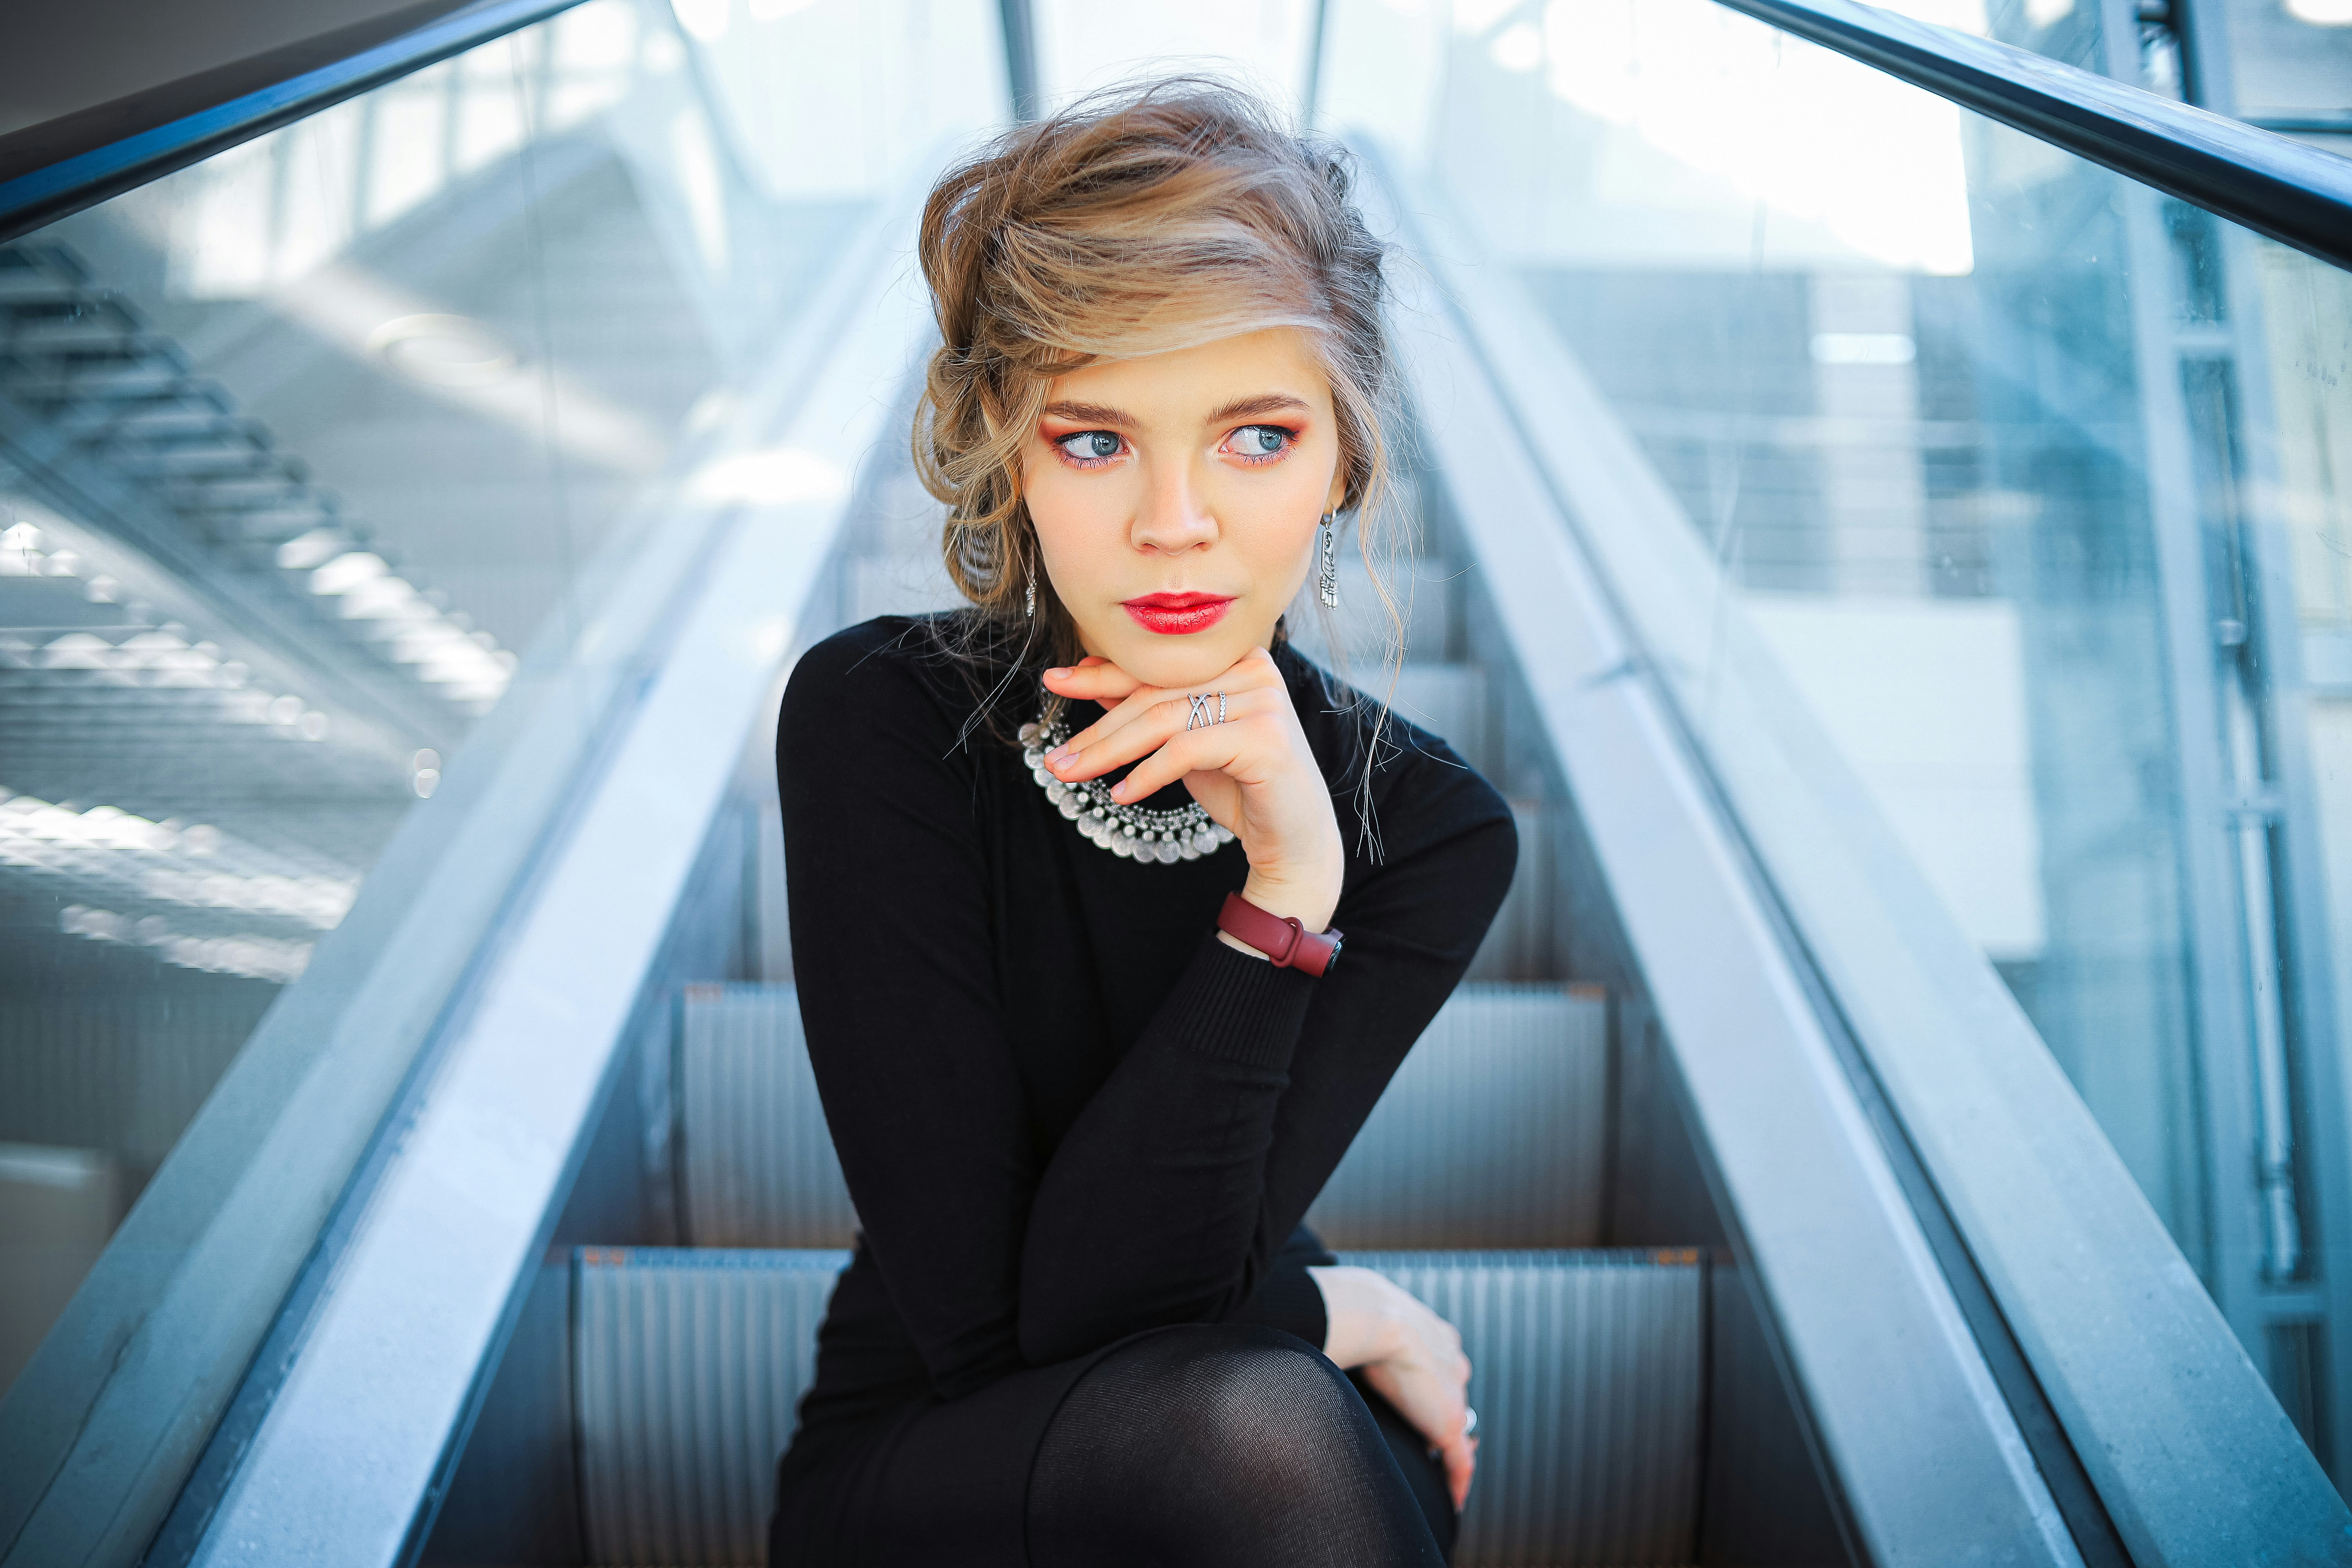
(1057,671)
(1057,756)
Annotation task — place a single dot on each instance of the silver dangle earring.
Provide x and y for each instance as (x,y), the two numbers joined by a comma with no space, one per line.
(1031,612)
(1329,576)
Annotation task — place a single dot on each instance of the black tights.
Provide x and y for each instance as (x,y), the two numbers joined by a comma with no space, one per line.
(1233,1448)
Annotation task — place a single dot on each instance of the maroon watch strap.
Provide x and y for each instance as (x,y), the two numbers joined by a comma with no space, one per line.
(1280,937)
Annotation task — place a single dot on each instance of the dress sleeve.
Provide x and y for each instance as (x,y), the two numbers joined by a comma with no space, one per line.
(1288,1298)
(1175,1191)
(899,999)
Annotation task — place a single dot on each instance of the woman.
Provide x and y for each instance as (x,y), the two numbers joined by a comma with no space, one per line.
(1072,997)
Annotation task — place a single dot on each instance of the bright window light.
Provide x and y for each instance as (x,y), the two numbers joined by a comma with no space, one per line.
(1864,348)
(776,477)
(1518,48)
(705,21)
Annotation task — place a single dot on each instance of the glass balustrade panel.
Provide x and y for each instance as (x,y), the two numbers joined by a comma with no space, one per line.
(314,454)
(2033,489)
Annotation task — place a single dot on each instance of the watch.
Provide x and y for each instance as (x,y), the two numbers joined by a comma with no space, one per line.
(1280,937)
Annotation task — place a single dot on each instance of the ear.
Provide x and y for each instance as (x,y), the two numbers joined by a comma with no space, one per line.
(1338,487)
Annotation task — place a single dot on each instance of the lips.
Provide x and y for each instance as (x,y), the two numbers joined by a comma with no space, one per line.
(1178,615)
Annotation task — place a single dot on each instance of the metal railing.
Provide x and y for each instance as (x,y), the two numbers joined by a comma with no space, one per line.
(43,177)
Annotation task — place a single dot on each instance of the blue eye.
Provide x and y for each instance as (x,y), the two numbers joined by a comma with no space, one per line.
(1090,445)
(1260,440)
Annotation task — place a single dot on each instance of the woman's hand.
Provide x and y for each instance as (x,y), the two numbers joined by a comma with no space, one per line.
(1253,774)
(1413,1356)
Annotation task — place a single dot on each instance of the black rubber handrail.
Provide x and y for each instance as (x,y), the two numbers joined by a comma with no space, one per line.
(48,190)
(2296,194)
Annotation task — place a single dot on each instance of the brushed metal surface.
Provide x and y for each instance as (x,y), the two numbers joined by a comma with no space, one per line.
(1589,1381)
(687,1367)
(1494,1132)
(755,1155)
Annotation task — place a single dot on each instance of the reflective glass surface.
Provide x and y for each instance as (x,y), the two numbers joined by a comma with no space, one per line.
(312,455)
(1266,45)
(2031,483)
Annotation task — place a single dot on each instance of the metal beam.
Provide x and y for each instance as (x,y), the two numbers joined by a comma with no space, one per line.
(1019,36)
(1310,101)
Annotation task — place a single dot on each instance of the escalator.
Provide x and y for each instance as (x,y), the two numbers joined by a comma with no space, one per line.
(1486,1182)
(1788,1159)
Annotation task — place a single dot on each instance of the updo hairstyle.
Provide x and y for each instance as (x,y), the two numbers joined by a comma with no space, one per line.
(1137,221)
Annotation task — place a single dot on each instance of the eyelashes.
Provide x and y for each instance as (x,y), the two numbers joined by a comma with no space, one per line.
(1253,445)
(1090,449)
(1259,444)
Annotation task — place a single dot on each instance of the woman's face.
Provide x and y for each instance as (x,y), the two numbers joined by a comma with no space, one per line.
(1176,498)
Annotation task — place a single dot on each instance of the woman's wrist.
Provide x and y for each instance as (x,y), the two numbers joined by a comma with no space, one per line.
(1358,1328)
(1310,907)
(1308,898)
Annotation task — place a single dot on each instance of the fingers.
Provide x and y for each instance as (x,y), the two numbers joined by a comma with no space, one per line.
(1150,721)
(1253,671)
(1092,679)
(1461,1457)
(1199,750)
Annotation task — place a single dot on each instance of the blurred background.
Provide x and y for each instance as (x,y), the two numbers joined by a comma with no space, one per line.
(383,435)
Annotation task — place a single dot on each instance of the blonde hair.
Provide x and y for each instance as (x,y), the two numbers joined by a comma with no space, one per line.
(1140,220)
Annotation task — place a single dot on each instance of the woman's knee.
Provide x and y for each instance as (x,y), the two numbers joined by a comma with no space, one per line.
(1226,1406)
(1218,1444)
(1242,1395)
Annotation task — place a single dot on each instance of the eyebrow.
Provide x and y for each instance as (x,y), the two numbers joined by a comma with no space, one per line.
(1089,414)
(1265,403)
(1103,414)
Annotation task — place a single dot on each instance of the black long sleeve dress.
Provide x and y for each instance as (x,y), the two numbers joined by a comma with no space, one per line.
(1067,1114)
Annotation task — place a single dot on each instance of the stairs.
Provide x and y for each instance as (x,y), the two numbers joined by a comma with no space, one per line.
(687,1363)
(1481,1183)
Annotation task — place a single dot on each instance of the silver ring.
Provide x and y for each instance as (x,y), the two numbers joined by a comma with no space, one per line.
(1469,1421)
(1198,719)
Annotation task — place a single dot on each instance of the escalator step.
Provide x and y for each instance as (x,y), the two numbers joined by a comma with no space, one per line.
(686,1365)
(1492,1134)
(1589,1378)
(687,1368)
(756,1158)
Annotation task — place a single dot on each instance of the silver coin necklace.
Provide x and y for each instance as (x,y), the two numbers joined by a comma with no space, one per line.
(1133,832)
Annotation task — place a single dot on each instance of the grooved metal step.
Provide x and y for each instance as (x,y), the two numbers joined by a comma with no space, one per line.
(686,1366)
(756,1165)
(1492,1134)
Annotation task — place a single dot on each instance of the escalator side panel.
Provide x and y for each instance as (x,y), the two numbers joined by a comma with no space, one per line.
(1922,1445)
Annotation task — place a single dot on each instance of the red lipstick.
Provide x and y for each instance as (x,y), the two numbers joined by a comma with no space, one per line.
(1178,615)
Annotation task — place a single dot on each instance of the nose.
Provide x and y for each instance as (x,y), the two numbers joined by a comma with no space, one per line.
(1173,515)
